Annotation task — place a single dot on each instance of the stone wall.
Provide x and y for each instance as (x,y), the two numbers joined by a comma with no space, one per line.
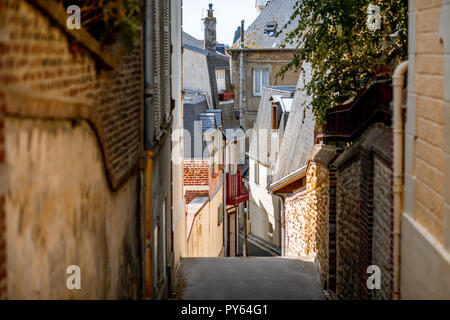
(348,237)
(306,216)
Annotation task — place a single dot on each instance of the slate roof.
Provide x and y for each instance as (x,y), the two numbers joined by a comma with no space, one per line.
(208,121)
(261,140)
(277,11)
(298,140)
(191,42)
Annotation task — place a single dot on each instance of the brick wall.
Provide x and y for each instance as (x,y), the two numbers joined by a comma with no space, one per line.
(366,220)
(429,164)
(323,220)
(382,250)
(332,229)
(364,207)
(196,172)
(348,237)
(40,59)
(199,173)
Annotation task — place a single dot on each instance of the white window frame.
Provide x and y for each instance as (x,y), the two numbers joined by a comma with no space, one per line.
(258,72)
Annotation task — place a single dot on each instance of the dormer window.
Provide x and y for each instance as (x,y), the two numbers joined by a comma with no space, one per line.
(271,29)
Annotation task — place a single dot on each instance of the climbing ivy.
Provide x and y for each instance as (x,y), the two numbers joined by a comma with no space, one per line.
(334,38)
(110,21)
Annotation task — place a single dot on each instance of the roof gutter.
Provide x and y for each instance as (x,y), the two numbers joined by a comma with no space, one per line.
(288,179)
(262,49)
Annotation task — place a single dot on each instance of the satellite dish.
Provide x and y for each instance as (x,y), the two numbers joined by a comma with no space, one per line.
(202,24)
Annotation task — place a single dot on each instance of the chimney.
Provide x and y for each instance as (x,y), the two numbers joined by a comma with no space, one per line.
(210,30)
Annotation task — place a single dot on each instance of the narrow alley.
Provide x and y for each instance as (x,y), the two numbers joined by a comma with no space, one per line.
(254,278)
(224,150)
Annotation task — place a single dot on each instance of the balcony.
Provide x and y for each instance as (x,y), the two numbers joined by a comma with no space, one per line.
(226,96)
(236,194)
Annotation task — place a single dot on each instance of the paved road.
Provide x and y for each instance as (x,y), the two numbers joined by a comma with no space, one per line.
(254,278)
(253,250)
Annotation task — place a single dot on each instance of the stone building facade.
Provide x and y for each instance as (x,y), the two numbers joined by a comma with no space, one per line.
(273,61)
(263,57)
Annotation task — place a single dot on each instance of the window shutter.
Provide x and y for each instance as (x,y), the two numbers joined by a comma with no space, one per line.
(162,62)
(157,66)
(166,62)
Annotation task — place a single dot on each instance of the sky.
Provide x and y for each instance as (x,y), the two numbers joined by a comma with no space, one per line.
(229,14)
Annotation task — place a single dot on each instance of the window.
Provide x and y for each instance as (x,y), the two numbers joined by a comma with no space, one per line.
(271,29)
(220,77)
(256,173)
(274,117)
(260,80)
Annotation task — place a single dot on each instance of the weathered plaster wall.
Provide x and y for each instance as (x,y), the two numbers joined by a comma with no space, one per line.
(60,212)
(205,239)
(272,60)
(60,205)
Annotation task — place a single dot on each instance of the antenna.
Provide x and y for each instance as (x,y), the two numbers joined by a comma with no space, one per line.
(202,24)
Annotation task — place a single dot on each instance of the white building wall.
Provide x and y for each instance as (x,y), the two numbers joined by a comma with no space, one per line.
(264,208)
(195,73)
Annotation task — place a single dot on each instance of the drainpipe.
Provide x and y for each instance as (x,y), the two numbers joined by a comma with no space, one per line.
(224,222)
(148,141)
(241,78)
(398,83)
(148,220)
